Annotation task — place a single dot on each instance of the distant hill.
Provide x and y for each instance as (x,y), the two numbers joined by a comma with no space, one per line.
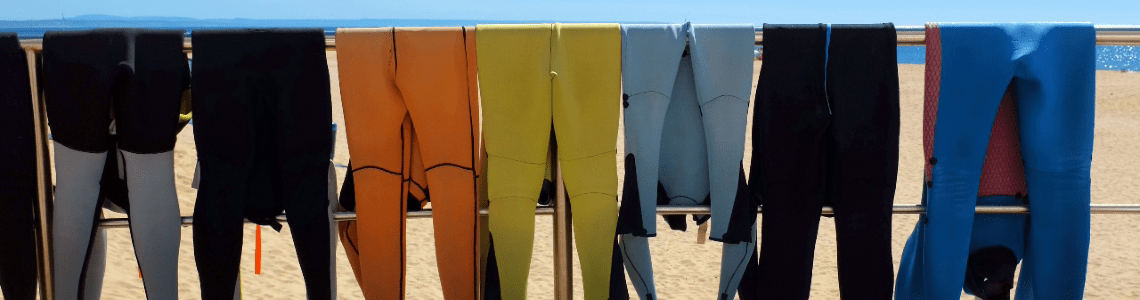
(110,17)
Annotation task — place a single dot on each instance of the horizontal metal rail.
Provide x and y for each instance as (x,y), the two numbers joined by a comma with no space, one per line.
(904,209)
(908,35)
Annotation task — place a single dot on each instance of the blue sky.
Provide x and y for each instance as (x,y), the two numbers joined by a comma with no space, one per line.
(912,12)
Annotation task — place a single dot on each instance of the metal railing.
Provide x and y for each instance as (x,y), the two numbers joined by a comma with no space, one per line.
(1112,35)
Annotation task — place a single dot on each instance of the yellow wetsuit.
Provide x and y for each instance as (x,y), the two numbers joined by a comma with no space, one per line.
(531,76)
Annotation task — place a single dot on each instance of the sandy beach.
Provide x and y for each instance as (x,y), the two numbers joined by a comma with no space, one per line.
(683,268)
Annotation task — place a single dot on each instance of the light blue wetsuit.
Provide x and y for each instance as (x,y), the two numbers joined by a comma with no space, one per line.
(685,117)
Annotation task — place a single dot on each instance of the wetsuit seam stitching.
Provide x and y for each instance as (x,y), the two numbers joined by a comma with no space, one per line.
(508,158)
(607,194)
(686,197)
(422,188)
(655,92)
(449,165)
(349,238)
(590,156)
(376,168)
(474,148)
(723,96)
(634,268)
(403,213)
(737,270)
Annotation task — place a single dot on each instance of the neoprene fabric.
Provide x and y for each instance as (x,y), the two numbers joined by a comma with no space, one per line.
(826,132)
(685,114)
(982,150)
(262,110)
(135,78)
(411,107)
(113,189)
(531,76)
(18,271)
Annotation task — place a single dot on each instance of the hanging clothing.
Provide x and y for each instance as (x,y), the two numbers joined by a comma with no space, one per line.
(262,111)
(411,104)
(18,188)
(133,79)
(1008,120)
(532,77)
(686,89)
(826,132)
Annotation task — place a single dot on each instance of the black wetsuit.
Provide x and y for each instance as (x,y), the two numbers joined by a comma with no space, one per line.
(826,132)
(17,174)
(262,109)
(135,79)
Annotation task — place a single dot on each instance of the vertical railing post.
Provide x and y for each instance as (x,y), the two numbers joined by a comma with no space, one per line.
(43,180)
(563,239)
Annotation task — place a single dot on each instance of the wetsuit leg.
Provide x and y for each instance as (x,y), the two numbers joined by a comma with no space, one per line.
(638,264)
(586,82)
(722,66)
(789,122)
(375,117)
(863,92)
(302,133)
(721,57)
(433,81)
(747,289)
(225,137)
(78,79)
(77,180)
(332,207)
(1055,91)
(735,259)
(263,148)
(332,225)
(911,282)
(92,285)
(17,174)
(146,119)
(515,83)
(650,57)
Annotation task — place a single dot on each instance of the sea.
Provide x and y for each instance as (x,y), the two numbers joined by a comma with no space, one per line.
(1118,58)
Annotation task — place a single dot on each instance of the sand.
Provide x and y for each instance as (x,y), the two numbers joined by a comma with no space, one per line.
(683,268)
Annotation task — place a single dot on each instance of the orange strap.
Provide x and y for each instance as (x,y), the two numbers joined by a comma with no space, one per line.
(257,253)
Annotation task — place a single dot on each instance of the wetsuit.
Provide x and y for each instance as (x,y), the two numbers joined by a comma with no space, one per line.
(1034,147)
(262,110)
(135,78)
(18,274)
(411,107)
(826,132)
(685,115)
(532,77)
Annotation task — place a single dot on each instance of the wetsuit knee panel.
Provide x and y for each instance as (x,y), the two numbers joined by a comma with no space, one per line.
(590,175)
(509,178)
